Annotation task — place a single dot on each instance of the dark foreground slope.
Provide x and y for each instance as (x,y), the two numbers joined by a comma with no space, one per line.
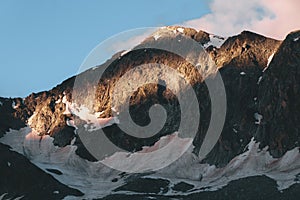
(251,188)
(21,178)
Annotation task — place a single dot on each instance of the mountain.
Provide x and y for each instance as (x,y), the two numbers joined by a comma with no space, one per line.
(260,132)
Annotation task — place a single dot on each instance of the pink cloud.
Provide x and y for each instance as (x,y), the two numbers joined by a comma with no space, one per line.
(273,18)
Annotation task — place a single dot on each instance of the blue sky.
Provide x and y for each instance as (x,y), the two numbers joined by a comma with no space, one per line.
(44,42)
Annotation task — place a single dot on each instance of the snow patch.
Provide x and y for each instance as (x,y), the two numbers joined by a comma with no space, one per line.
(270,59)
(259,80)
(296,39)
(8,164)
(181,30)
(242,73)
(125,52)
(58,101)
(156,36)
(71,123)
(115,110)
(93,121)
(166,150)
(215,41)
(258,118)
(2,197)
(98,114)
(13,105)
(166,32)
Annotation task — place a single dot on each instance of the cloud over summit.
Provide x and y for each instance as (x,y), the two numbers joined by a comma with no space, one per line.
(273,18)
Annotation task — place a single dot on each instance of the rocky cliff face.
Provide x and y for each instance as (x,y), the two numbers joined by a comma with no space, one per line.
(278,99)
(259,104)
(241,59)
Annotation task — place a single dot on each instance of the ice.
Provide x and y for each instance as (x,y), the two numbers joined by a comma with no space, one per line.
(215,41)
(258,117)
(242,73)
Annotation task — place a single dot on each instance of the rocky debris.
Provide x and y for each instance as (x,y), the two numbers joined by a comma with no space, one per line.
(21,178)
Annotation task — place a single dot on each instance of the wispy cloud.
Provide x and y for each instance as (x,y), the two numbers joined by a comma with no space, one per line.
(273,18)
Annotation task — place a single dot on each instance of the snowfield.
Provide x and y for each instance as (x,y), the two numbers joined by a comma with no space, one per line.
(95,178)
